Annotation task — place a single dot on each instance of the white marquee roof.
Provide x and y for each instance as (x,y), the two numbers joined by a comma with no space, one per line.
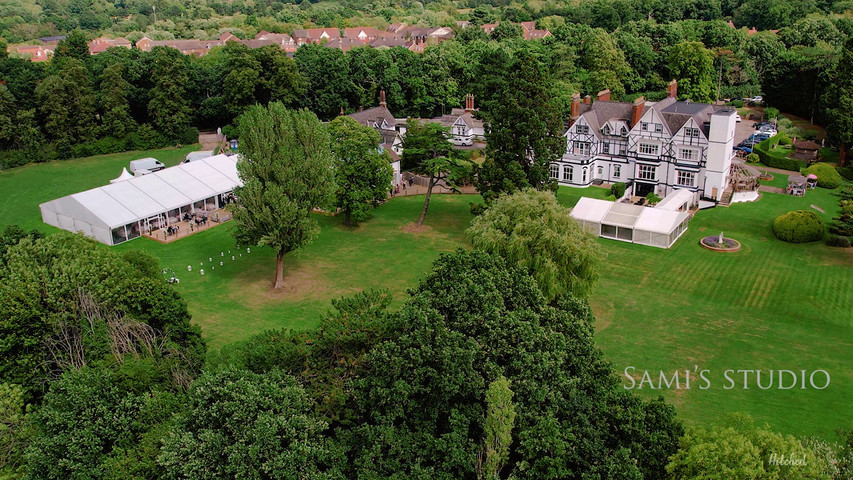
(675,200)
(126,202)
(591,209)
(627,215)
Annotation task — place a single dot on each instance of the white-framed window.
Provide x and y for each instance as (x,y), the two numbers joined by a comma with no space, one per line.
(623,149)
(605,147)
(600,170)
(583,178)
(691,132)
(581,128)
(689,154)
(649,148)
(606,130)
(686,179)
(658,128)
(647,172)
(567,173)
(617,171)
(555,170)
(624,131)
(581,148)
(644,126)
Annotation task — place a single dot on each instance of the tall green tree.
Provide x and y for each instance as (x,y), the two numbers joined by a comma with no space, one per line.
(497,428)
(472,319)
(75,46)
(839,101)
(427,151)
(287,171)
(362,173)
(169,104)
(523,133)
(112,102)
(326,73)
(8,115)
(67,104)
(692,65)
(530,229)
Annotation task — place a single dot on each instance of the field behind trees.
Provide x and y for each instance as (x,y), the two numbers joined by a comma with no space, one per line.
(771,306)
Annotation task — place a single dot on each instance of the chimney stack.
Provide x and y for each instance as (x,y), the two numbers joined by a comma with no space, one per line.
(382,99)
(342,111)
(469,103)
(637,110)
(603,96)
(672,90)
(576,106)
(587,99)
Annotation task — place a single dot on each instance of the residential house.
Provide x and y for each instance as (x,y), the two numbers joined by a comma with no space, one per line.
(345,44)
(464,128)
(99,45)
(366,34)
(35,53)
(651,146)
(315,35)
(391,131)
(193,47)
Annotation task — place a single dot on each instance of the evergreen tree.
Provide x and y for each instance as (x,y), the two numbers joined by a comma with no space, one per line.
(839,99)
(523,134)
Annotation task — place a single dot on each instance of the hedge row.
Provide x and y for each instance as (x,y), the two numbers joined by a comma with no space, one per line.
(145,138)
(764,149)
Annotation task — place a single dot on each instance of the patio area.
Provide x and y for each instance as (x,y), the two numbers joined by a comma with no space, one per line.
(185,228)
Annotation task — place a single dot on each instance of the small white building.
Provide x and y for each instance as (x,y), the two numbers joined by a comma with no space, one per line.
(658,226)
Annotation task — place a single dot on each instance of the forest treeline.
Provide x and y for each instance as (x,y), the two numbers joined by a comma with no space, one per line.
(78,104)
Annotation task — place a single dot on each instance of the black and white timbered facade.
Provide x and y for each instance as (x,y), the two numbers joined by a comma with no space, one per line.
(652,147)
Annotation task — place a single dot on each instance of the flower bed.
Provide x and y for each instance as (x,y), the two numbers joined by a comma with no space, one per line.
(713,243)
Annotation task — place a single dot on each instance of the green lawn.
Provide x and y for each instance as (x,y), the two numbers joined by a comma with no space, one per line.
(771,306)
(779,180)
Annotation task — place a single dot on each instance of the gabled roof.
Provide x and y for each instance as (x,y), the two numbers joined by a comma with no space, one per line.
(317,33)
(458,114)
(373,117)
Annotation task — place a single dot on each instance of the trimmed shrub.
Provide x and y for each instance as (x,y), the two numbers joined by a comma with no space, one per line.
(736,103)
(617,189)
(753,158)
(770,113)
(837,241)
(611,198)
(653,198)
(799,226)
(827,175)
(783,139)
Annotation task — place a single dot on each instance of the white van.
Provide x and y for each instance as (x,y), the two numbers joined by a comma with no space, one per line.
(193,156)
(144,166)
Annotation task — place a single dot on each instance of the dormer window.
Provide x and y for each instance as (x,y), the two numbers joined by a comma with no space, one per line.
(606,130)
(624,131)
(658,128)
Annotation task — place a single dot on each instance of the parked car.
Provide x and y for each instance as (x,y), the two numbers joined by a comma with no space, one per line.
(744,150)
(756,100)
(144,166)
(737,118)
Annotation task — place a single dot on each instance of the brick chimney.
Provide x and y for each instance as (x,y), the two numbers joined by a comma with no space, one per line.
(469,103)
(382,99)
(576,106)
(603,96)
(672,90)
(587,99)
(342,111)
(637,110)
